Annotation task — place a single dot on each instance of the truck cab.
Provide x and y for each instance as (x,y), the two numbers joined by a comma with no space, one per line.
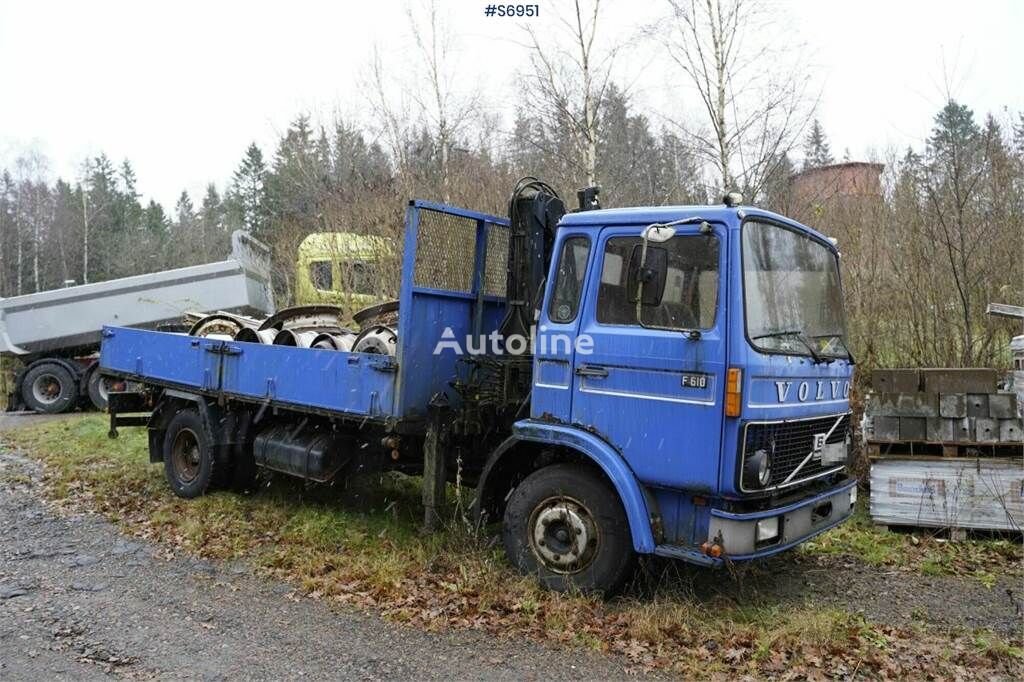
(343,269)
(698,356)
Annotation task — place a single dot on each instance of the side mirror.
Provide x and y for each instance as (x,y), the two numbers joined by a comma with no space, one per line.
(647,275)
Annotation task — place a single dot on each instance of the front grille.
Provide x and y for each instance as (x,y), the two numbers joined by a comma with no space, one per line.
(789,443)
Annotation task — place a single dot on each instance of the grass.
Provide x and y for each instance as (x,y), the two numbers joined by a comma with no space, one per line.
(362,546)
(919,550)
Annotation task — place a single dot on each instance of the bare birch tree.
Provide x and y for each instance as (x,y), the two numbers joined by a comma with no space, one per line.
(572,72)
(432,100)
(753,89)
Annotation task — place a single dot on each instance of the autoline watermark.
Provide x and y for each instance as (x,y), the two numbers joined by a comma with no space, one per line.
(515,344)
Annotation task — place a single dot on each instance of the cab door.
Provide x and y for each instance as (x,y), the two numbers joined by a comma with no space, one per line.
(652,380)
(556,335)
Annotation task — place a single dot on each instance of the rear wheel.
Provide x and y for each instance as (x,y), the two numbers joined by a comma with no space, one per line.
(565,524)
(189,460)
(49,388)
(99,388)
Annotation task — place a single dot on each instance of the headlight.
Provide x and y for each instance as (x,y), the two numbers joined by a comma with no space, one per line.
(767,529)
(757,469)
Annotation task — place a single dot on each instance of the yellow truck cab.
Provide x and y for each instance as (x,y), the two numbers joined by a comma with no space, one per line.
(343,269)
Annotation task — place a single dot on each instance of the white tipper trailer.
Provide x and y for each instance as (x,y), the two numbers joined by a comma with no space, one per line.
(56,334)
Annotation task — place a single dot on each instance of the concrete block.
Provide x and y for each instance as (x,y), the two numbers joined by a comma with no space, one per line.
(967,380)
(1011,430)
(942,430)
(953,405)
(1002,405)
(965,430)
(977,405)
(905,404)
(895,380)
(986,430)
(887,428)
(913,428)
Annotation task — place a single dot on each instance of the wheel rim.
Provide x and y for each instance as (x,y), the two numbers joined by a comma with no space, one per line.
(564,535)
(103,389)
(46,389)
(185,456)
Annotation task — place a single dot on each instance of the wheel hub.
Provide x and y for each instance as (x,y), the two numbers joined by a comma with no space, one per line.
(46,388)
(563,535)
(185,455)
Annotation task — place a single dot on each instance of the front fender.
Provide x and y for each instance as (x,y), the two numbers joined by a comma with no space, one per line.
(598,451)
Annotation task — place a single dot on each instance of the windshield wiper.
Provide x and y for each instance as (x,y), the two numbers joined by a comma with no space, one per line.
(846,347)
(796,334)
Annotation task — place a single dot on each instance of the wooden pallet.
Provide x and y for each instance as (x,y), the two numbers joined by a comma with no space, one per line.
(953,534)
(881,448)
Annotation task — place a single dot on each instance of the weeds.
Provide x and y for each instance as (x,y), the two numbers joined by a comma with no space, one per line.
(925,553)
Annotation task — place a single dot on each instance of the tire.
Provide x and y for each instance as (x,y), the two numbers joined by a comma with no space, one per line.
(49,388)
(98,389)
(565,524)
(189,460)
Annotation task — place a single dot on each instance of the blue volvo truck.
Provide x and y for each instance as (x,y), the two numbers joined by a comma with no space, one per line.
(614,382)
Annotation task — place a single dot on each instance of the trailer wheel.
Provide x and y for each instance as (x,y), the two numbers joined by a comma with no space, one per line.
(49,388)
(98,388)
(565,524)
(189,460)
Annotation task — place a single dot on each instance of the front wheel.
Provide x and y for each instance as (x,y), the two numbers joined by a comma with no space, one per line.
(565,524)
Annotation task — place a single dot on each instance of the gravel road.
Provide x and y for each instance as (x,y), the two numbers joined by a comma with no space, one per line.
(80,601)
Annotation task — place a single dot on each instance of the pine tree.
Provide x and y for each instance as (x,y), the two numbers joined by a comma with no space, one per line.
(816,148)
(185,212)
(154,219)
(213,235)
(248,193)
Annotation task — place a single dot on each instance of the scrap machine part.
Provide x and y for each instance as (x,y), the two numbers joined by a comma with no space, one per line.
(343,341)
(251,335)
(382,340)
(293,337)
(305,317)
(220,324)
(381,313)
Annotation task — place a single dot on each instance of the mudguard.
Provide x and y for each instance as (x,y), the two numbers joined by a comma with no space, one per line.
(602,454)
(167,407)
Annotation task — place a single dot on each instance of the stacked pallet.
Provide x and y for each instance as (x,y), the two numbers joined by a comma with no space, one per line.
(945,448)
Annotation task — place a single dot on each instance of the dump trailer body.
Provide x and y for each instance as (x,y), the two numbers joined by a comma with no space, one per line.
(69,321)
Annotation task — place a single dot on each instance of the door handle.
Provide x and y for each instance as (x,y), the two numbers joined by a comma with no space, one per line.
(591,371)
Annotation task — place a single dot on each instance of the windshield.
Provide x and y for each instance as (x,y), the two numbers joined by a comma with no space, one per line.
(793,299)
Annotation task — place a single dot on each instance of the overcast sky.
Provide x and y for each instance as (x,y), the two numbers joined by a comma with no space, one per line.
(180,88)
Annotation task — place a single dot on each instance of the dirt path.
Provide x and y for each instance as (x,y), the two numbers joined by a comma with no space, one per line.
(80,601)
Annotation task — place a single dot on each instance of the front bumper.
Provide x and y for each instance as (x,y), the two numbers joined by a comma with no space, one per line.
(797,522)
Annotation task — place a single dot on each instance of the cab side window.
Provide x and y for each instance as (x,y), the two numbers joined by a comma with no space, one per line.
(572,267)
(690,296)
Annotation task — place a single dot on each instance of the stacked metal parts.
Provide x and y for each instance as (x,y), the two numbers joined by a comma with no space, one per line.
(315,326)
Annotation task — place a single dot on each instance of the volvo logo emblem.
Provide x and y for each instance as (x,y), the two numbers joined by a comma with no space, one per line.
(832,389)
